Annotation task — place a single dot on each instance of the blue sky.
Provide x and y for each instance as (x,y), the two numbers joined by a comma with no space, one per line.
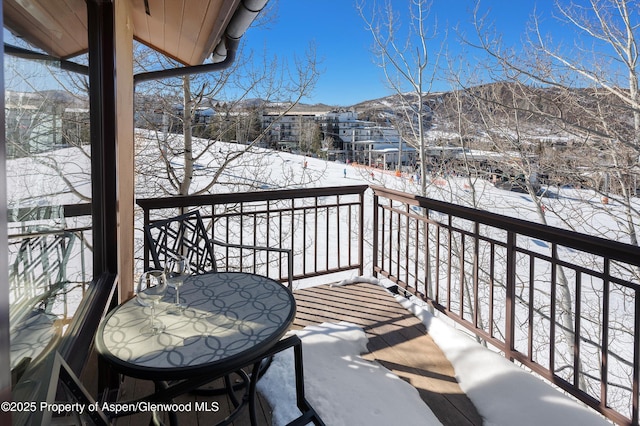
(344,45)
(349,73)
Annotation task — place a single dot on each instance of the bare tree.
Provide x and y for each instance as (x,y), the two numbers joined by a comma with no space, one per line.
(589,90)
(39,122)
(595,91)
(409,64)
(310,139)
(196,106)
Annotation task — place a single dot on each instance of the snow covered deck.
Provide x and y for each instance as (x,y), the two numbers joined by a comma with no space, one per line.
(397,340)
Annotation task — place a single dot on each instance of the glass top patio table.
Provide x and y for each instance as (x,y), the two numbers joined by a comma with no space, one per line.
(230,319)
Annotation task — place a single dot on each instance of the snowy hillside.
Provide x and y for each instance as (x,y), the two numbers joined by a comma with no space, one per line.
(68,181)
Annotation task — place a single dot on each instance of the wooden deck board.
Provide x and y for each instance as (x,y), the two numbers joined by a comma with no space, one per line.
(397,340)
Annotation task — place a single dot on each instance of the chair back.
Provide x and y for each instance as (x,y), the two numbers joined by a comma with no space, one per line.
(38,273)
(183,235)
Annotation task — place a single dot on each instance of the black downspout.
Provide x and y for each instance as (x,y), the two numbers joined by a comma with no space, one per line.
(231,45)
(227,47)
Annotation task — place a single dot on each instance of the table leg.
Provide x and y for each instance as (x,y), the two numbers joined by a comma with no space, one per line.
(251,394)
(173,417)
(230,390)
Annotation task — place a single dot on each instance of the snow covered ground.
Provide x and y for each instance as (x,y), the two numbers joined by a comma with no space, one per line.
(342,386)
(31,182)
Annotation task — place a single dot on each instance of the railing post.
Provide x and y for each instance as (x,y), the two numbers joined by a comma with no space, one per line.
(144,239)
(292,242)
(636,363)
(510,308)
(375,233)
(604,362)
(361,236)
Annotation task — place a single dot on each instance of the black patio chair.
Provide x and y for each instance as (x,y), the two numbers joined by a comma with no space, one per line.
(186,235)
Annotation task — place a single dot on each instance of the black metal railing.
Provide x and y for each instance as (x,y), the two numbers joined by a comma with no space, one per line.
(322,226)
(563,304)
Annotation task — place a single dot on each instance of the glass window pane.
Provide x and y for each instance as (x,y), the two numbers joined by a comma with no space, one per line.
(48,196)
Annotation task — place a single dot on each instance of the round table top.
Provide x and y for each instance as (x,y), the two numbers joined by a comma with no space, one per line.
(230,318)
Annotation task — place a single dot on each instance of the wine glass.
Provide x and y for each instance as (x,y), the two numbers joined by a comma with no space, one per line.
(151,288)
(177,270)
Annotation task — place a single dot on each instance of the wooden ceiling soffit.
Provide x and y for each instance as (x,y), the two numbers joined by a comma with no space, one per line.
(57,27)
(185,30)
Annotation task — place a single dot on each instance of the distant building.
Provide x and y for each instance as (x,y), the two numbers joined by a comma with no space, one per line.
(344,137)
(285,132)
(43,121)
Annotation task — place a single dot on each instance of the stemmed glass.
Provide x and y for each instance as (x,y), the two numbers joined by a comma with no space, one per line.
(151,288)
(177,270)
